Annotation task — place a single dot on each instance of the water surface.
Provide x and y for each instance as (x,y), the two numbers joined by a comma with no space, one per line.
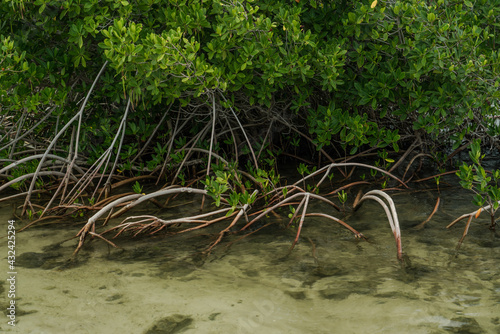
(330,282)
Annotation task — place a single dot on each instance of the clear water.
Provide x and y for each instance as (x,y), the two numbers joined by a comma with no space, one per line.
(330,282)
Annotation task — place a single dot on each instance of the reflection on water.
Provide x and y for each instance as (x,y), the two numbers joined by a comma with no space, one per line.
(330,283)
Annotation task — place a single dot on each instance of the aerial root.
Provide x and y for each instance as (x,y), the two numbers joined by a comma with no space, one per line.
(144,223)
(469,216)
(131,200)
(422,224)
(357,235)
(303,205)
(391,213)
(277,198)
(242,211)
(151,224)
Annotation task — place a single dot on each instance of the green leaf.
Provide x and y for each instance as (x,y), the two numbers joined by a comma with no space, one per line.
(352,17)
(475,151)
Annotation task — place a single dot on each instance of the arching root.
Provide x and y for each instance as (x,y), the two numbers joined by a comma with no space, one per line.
(391,213)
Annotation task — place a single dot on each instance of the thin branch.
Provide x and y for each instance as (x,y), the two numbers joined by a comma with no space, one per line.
(244,134)
(53,142)
(25,133)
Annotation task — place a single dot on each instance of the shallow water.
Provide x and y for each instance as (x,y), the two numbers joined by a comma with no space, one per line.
(330,282)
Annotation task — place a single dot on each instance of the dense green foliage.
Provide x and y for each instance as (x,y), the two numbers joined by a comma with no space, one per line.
(349,74)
